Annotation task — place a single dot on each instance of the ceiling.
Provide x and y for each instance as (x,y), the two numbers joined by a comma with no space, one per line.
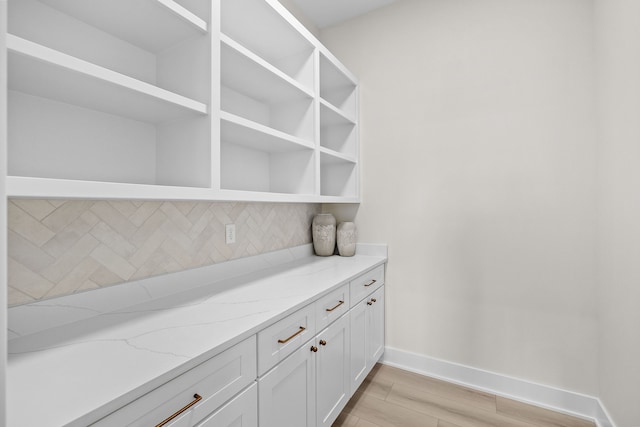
(325,13)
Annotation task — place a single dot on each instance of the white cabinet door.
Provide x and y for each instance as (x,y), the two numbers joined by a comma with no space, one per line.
(367,336)
(287,394)
(375,327)
(242,411)
(332,371)
(359,353)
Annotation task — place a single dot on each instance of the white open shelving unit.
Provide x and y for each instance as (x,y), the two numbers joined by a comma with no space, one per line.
(176,99)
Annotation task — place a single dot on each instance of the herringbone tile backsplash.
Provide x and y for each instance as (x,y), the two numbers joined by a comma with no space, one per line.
(59,247)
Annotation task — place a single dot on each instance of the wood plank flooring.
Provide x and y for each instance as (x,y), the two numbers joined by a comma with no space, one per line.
(391,397)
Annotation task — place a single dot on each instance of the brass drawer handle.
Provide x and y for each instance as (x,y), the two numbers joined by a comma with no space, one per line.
(338,305)
(196,398)
(369,303)
(314,348)
(302,328)
(374,300)
(370,283)
(323,342)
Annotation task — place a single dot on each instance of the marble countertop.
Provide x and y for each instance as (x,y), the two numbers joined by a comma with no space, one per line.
(75,373)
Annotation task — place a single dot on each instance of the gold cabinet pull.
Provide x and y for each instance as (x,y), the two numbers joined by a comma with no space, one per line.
(371,283)
(323,342)
(314,348)
(336,306)
(302,328)
(369,303)
(374,300)
(196,398)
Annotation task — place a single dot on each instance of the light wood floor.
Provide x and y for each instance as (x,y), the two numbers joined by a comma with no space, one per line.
(391,397)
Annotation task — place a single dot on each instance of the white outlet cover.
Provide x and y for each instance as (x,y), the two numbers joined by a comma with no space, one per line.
(230,233)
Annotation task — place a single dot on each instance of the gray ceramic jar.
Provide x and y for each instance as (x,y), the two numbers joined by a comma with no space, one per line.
(323,230)
(347,237)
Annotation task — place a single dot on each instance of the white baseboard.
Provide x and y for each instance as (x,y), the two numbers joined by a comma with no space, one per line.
(567,402)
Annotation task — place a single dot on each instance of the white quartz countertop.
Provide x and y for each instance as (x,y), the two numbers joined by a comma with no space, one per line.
(74,374)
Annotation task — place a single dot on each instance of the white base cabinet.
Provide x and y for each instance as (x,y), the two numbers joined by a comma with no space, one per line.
(333,388)
(311,386)
(367,336)
(287,393)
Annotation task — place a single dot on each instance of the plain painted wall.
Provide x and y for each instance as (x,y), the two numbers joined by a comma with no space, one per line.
(618,47)
(3,211)
(478,145)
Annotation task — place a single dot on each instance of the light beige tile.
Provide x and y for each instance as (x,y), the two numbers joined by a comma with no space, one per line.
(26,281)
(144,232)
(113,262)
(27,226)
(185,207)
(88,285)
(104,277)
(112,239)
(76,277)
(198,210)
(15,297)
(125,207)
(70,235)
(148,248)
(114,218)
(143,212)
(66,213)
(539,416)
(177,218)
(38,209)
(26,253)
(69,259)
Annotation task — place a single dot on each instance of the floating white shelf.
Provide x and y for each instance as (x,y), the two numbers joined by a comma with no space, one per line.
(245,71)
(237,130)
(333,157)
(153,25)
(332,116)
(44,72)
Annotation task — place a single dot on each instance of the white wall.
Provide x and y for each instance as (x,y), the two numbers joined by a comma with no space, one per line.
(618,44)
(478,145)
(3,211)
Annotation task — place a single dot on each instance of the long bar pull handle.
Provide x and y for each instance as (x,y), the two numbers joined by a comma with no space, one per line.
(371,283)
(336,306)
(196,398)
(302,328)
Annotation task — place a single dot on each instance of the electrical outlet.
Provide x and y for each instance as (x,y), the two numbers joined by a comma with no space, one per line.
(230,233)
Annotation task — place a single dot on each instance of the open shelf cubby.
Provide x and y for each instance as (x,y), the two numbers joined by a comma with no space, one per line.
(337,87)
(254,91)
(338,175)
(114,92)
(337,132)
(257,26)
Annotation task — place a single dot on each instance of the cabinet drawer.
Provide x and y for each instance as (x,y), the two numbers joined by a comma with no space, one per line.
(216,381)
(365,284)
(283,337)
(330,307)
(241,411)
